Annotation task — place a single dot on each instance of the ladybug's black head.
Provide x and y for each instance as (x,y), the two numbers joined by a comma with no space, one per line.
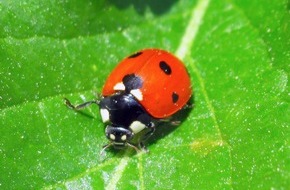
(119,136)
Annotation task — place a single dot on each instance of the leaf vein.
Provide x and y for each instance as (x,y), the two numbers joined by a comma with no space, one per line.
(80,175)
(41,108)
(192,28)
(183,51)
(212,111)
(141,171)
(118,174)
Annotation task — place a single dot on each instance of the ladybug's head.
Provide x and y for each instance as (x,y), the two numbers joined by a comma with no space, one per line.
(119,136)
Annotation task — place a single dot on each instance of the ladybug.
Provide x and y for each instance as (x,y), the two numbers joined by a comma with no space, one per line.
(146,87)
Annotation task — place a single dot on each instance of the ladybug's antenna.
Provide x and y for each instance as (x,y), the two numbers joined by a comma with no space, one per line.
(111,143)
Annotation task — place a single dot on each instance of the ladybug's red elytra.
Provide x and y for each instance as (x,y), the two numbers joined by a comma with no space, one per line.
(144,88)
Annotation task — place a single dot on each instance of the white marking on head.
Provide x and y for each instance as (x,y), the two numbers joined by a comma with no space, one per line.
(137,126)
(137,93)
(112,137)
(105,115)
(124,137)
(119,86)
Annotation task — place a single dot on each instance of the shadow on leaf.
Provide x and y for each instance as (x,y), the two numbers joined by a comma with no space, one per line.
(157,7)
(165,128)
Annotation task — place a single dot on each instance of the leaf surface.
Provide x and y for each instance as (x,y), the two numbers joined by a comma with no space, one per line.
(237,54)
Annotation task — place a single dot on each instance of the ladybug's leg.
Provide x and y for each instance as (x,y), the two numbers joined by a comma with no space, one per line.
(188,105)
(170,120)
(80,106)
(133,146)
(146,136)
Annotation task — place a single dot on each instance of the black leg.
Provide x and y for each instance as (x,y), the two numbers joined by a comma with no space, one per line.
(145,137)
(188,105)
(133,146)
(80,106)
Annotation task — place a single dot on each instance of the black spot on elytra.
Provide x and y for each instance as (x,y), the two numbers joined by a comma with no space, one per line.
(131,82)
(135,54)
(165,67)
(175,97)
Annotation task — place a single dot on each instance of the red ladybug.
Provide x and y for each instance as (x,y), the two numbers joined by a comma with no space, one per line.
(144,88)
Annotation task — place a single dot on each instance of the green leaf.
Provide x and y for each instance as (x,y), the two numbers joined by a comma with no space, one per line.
(237,54)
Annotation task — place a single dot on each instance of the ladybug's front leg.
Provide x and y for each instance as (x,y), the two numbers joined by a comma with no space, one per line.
(80,106)
(146,136)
